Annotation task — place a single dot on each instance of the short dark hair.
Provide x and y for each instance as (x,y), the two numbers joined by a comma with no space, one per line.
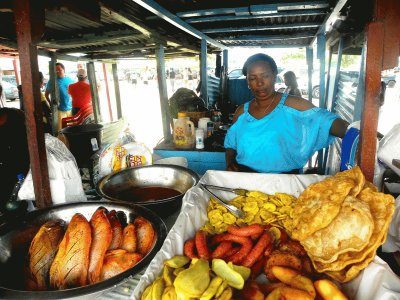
(260,57)
(41,77)
(61,65)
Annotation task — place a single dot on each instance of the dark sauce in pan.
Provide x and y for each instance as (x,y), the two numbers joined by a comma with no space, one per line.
(147,193)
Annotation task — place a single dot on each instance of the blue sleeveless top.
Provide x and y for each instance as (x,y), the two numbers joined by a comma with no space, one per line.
(281,141)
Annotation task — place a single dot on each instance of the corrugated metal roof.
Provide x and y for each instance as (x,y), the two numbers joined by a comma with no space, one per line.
(124,28)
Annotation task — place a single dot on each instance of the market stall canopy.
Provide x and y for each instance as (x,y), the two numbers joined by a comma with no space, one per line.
(108,29)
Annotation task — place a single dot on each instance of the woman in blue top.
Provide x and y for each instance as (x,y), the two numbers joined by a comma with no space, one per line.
(275,132)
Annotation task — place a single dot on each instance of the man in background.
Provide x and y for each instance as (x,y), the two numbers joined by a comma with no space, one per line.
(65,105)
(80,92)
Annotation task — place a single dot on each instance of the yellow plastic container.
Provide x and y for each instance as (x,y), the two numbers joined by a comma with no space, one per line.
(184,134)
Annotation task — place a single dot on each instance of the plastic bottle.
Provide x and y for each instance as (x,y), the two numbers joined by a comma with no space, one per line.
(184,135)
(203,125)
(199,138)
(12,203)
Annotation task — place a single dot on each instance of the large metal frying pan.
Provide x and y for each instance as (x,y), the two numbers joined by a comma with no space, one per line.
(15,238)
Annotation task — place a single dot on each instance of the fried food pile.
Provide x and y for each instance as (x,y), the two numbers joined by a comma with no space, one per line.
(341,221)
(87,252)
(259,208)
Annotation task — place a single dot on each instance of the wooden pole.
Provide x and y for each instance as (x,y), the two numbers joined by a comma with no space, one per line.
(369,118)
(162,88)
(117,92)
(28,24)
(107,91)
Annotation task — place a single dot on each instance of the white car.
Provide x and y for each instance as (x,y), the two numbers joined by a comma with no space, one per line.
(10,90)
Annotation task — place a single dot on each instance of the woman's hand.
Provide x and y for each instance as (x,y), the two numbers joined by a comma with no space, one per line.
(230,158)
(233,166)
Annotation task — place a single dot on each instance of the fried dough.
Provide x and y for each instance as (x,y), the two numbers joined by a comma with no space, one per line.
(320,203)
(349,231)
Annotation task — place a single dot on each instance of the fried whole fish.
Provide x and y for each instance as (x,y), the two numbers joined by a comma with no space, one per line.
(129,242)
(116,228)
(145,235)
(101,239)
(41,253)
(70,266)
(117,261)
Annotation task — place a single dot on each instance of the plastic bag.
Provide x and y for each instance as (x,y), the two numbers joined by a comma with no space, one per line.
(124,153)
(65,179)
(389,148)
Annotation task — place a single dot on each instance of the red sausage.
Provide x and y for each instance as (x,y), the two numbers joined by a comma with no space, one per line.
(250,230)
(257,268)
(238,257)
(189,249)
(257,250)
(231,252)
(269,249)
(201,245)
(221,250)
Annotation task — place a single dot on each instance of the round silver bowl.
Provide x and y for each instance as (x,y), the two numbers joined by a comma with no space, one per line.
(15,238)
(117,186)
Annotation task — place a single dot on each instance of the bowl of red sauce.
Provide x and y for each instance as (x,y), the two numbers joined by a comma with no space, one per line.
(157,187)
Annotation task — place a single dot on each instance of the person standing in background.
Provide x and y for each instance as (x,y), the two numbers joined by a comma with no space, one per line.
(291,83)
(46,108)
(172,79)
(80,92)
(65,105)
(1,97)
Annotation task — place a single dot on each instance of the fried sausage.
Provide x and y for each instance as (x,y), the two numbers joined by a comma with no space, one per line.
(221,250)
(257,250)
(189,249)
(250,230)
(201,244)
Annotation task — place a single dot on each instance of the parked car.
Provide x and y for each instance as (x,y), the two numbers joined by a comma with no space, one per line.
(10,90)
(235,74)
(389,79)
(280,85)
(10,79)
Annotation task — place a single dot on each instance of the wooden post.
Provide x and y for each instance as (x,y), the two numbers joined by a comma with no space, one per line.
(107,92)
(162,88)
(369,118)
(117,92)
(16,72)
(203,71)
(93,90)
(29,19)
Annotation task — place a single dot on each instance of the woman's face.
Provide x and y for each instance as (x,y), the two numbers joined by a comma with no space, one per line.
(261,79)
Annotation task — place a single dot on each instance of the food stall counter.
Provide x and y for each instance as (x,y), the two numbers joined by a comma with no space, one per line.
(209,158)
